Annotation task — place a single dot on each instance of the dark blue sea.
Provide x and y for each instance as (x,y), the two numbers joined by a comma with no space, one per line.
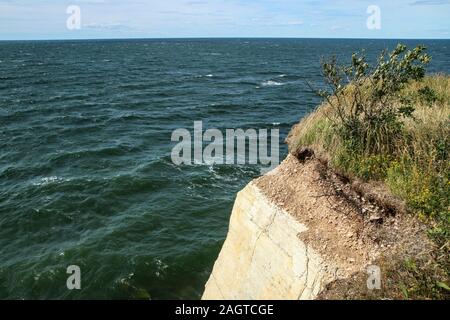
(86,176)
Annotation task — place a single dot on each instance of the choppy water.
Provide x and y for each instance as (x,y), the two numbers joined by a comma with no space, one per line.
(85,170)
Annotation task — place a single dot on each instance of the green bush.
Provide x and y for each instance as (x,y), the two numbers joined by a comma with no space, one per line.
(428,95)
(365,100)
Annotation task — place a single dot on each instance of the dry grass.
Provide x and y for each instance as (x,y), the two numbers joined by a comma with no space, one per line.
(418,168)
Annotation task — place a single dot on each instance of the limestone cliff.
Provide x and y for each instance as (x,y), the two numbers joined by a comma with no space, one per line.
(295,230)
(262,257)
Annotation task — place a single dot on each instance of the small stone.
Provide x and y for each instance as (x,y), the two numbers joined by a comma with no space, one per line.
(350,235)
(375,218)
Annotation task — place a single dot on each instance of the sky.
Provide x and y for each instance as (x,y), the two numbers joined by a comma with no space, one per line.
(48,19)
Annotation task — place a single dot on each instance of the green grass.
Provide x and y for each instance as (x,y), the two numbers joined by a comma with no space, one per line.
(416,168)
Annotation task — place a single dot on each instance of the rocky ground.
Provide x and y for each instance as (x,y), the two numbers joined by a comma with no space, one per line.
(355,224)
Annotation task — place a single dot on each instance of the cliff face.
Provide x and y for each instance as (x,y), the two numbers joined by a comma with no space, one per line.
(267,253)
(295,230)
(262,257)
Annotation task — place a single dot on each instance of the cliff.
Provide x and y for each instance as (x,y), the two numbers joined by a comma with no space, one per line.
(365,184)
(300,229)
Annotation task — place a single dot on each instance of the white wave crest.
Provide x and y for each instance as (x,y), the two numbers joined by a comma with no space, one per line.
(271,83)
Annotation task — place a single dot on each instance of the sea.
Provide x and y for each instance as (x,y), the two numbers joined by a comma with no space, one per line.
(86,174)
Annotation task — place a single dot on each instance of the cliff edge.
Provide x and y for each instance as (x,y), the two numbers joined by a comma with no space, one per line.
(301,230)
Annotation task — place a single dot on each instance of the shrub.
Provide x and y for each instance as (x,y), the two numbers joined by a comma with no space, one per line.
(365,100)
(428,95)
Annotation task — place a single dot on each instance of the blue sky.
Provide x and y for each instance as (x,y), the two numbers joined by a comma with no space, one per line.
(46,19)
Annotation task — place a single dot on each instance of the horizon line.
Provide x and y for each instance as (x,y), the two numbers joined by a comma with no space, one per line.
(218,38)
